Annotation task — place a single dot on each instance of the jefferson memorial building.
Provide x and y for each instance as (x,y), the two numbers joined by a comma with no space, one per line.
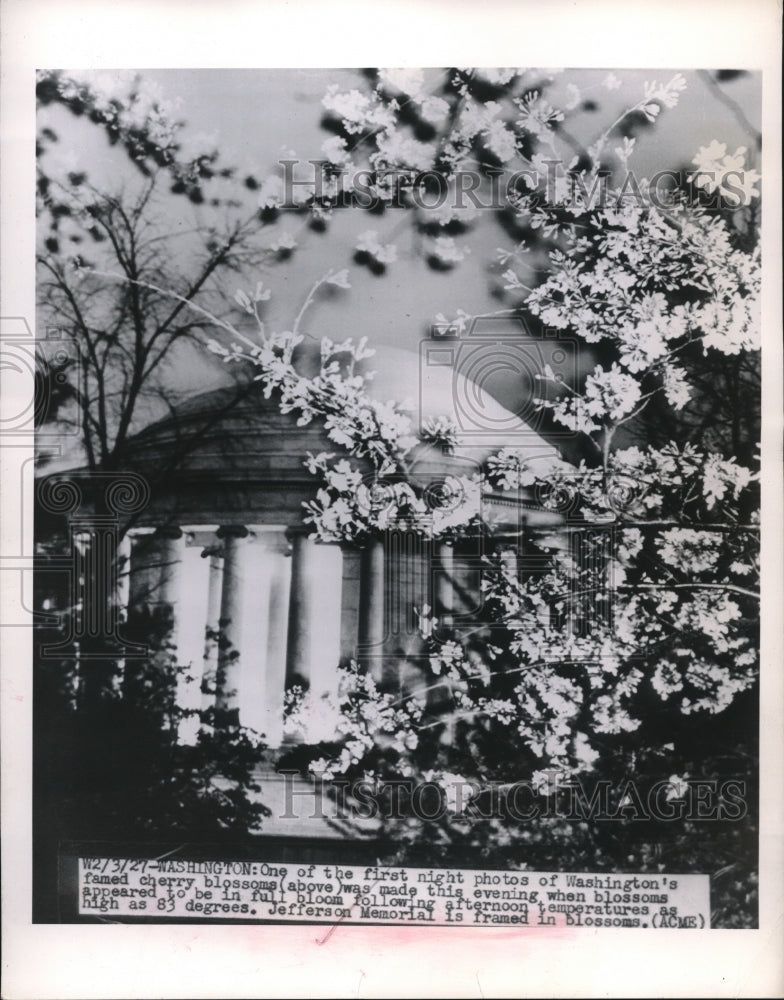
(216,541)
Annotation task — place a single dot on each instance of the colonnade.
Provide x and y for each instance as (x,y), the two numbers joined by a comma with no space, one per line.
(257,609)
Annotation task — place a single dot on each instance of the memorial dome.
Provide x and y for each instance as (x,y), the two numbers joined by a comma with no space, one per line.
(232,455)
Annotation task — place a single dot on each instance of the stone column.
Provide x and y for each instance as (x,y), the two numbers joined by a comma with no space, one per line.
(93,634)
(370,646)
(227,694)
(154,590)
(276,570)
(408,586)
(301,608)
(140,575)
(328,586)
(314,620)
(172,548)
(212,624)
(141,583)
(156,570)
(122,594)
(192,596)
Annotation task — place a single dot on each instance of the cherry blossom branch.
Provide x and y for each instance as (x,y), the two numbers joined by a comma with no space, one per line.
(692,586)
(308,301)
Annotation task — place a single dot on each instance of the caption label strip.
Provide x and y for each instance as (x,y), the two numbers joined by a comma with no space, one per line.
(252,891)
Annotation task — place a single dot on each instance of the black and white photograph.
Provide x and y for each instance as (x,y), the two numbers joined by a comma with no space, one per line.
(394,487)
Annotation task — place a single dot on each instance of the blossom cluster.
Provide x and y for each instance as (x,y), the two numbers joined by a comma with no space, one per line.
(133,113)
(664,548)
(651,288)
(645,591)
(413,123)
(572,654)
(360,716)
